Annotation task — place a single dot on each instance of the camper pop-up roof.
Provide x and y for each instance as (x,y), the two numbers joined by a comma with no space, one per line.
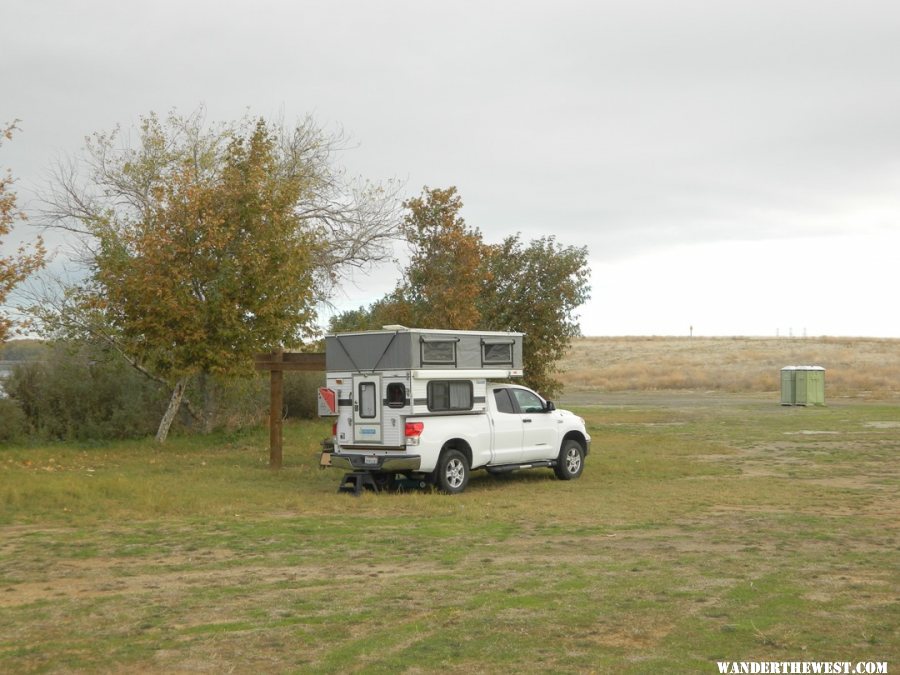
(488,353)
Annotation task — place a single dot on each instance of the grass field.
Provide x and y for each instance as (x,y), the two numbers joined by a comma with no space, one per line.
(705,527)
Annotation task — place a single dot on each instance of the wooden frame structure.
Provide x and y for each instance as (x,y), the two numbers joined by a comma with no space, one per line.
(276,363)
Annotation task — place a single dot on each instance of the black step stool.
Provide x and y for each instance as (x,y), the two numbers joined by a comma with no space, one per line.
(357,481)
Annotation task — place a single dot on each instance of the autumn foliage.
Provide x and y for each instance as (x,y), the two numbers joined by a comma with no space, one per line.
(455,280)
(17,267)
(207,244)
(445,273)
(218,270)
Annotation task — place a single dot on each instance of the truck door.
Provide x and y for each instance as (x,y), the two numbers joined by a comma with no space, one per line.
(507,428)
(540,428)
(367,409)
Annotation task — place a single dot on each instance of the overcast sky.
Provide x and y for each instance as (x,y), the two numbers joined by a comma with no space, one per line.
(732,166)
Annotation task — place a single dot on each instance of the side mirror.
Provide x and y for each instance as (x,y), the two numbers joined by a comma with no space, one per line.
(549,407)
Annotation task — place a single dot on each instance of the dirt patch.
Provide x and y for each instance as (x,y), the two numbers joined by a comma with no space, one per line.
(812,432)
(634,637)
(883,425)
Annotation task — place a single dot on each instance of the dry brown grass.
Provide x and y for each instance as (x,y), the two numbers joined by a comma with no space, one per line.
(856,367)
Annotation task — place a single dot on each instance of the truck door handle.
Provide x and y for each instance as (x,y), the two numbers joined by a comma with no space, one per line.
(527,420)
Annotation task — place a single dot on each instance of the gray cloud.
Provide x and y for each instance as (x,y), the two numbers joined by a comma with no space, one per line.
(628,126)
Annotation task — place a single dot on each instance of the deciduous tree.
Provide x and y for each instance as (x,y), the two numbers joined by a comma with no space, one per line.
(444,278)
(16,267)
(206,245)
(456,281)
(536,288)
(445,274)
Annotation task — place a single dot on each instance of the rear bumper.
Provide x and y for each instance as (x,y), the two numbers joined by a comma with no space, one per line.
(372,461)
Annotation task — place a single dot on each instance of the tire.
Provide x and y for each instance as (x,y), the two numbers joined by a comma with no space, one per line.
(452,473)
(570,462)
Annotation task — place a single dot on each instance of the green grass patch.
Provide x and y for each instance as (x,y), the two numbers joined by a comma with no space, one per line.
(700,530)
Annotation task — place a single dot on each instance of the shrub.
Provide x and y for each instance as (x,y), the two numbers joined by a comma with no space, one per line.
(234,403)
(227,403)
(12,421)
(80,392)
(85,392)
(301,394)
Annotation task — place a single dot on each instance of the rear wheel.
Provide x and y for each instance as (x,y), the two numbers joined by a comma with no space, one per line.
(570,462)
(452,472)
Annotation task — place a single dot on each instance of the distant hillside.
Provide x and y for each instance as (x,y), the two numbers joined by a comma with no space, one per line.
(857,367)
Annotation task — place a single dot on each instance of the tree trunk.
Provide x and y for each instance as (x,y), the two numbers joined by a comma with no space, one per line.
(276,405)
(207,397)
(174,404)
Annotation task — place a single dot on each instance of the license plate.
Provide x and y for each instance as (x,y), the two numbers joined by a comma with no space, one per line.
(371,459)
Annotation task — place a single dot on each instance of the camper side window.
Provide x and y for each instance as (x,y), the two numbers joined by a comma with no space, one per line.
(438,351)
(447,395)
(497,352)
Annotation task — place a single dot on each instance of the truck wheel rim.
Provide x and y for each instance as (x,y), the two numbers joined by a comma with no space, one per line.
(573,460)
(455,473)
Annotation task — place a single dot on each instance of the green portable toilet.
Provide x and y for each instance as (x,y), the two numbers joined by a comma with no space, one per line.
(789,385)
(817,376)
(809,386)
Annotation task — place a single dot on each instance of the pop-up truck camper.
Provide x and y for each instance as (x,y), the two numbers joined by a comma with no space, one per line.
(419,405)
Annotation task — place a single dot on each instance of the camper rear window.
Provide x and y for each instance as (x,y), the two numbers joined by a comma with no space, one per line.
(438,351)
(447,395)
(396,395)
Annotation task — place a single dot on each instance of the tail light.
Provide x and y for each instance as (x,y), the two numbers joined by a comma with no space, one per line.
(412,432)
(334,429)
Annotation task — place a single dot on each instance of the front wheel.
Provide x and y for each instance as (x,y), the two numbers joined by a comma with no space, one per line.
(570,462)
(452,472)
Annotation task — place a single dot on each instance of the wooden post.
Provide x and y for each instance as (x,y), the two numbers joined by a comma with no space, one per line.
(276,363)
(276,404)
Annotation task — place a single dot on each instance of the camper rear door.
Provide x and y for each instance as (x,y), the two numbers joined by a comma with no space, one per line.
(367,409)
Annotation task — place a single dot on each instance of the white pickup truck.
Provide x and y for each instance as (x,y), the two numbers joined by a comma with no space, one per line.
(510,428)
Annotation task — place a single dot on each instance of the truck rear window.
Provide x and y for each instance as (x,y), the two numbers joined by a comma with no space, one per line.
(446,395)
(504,403)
